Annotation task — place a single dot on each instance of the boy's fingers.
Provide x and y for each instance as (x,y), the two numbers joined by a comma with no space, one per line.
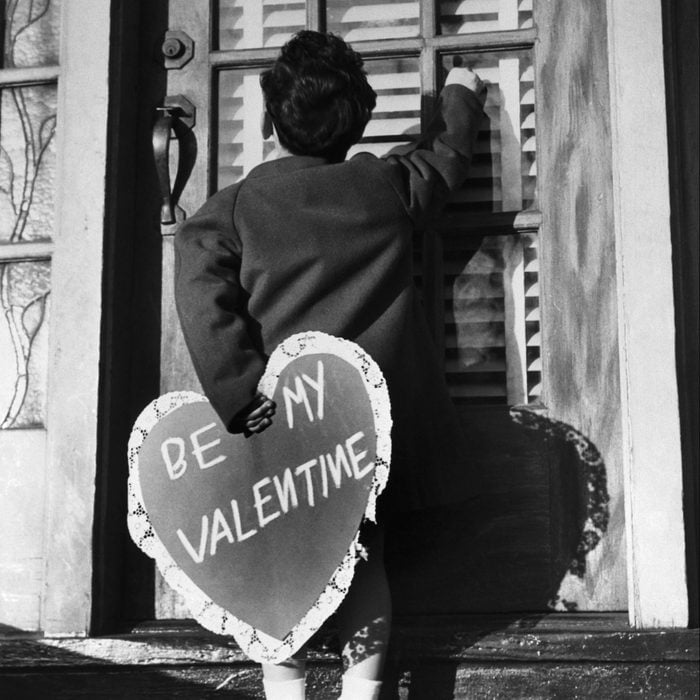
(258,426)
(262,410)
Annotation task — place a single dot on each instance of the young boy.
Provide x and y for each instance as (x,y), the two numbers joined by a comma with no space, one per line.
(309,241)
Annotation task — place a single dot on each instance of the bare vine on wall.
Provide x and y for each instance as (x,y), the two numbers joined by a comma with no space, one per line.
(18,181)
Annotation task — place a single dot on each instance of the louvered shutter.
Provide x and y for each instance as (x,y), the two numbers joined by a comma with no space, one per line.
(490,292)
(472,16)
(368,20)
(492,342)
(248,24)
(504,169)
(396,118)
(240,146)
(480,286)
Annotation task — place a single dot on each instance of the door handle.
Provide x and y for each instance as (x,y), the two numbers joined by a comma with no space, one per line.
(176,117)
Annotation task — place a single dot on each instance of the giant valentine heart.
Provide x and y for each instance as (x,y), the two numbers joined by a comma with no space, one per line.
(259,534)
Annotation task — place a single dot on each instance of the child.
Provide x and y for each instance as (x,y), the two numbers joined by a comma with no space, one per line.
(310,241)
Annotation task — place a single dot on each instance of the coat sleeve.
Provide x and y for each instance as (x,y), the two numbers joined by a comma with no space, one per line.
(212,307)
(427,172)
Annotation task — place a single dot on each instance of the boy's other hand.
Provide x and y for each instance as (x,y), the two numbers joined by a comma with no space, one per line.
(467,77)
(259,414)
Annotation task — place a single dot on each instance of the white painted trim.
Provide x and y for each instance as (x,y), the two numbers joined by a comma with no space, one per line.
(651,424)
(31,250)
(76,313)
(10,77)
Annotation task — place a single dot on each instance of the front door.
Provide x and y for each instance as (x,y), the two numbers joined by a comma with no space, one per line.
(517,277)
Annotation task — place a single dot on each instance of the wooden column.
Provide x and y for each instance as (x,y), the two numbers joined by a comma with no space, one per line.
(76,317)
(581,383)
(650,425)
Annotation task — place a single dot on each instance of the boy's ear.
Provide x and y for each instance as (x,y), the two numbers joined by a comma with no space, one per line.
(266,124)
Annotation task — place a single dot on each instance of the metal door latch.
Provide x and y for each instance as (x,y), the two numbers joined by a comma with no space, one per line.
(175,117)
(177,49)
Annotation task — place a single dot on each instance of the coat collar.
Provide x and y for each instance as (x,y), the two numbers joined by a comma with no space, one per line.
(288,164)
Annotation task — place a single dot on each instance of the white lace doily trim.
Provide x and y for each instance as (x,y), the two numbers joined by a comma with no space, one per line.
(255,643)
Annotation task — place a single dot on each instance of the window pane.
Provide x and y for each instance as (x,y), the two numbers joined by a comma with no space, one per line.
(492,340)
(396,118)
(27,163)
(395,121)
(24,290)
(249,24)
(30,33)
(504,170)
(240,146)
(365,20)
(470,16)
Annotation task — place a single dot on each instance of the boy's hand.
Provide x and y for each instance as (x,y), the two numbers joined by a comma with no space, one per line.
(259,414)
(468,78)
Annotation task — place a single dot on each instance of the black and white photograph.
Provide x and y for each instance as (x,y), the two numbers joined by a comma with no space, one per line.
(349,349)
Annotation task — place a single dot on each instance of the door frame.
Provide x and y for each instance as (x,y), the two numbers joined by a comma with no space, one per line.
(656,554)
(75,325)
(656,559)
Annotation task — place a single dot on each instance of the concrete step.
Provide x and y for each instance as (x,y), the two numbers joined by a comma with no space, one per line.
(506,656)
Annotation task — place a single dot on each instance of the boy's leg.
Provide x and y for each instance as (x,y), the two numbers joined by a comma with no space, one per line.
(364,622)
(285,681)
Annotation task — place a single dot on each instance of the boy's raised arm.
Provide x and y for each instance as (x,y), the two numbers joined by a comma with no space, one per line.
(437,164)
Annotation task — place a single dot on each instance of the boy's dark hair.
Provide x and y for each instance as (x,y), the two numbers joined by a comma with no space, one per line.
(318,96)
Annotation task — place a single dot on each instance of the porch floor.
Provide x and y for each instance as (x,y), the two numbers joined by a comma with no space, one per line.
(555,655)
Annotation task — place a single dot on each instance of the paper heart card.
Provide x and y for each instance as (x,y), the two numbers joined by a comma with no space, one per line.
(260,534)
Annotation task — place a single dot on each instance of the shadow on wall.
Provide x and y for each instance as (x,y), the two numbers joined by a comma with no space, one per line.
(32,668)
(509,552)
(516,552)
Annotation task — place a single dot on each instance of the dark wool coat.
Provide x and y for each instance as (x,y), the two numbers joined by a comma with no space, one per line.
(302,244)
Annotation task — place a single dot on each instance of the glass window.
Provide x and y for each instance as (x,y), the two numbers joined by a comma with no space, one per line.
(504,169)
(479,285)
(491,302)
(240,143)
(27,163)
(368,19)
(250,24)
(24,293)
(396,117)
(471,16)
(30,33)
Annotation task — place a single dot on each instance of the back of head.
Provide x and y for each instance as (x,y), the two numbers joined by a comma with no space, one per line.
(318,96)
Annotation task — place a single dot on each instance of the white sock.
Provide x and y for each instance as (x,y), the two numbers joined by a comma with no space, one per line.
(285,690)
(360,689)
